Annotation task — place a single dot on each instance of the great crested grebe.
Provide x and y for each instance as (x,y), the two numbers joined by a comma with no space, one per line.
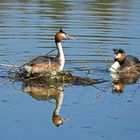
(44,64)
(124,63)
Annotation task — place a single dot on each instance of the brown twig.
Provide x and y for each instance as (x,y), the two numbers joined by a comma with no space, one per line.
(16,68)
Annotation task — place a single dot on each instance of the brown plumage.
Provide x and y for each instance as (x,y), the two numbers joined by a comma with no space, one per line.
(45,65)
(128,63)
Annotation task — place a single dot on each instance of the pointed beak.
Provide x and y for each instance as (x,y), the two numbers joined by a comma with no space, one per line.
(70,37)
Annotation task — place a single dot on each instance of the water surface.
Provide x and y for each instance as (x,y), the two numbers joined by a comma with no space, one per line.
(27,29)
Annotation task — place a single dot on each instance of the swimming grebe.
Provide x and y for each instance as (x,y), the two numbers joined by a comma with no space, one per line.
(124,63)
(46,65)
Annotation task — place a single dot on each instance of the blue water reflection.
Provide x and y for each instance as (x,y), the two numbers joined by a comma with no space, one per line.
(100,112)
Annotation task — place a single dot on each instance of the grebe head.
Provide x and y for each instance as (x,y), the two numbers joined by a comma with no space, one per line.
(119,55)
(62,35)
(57,120)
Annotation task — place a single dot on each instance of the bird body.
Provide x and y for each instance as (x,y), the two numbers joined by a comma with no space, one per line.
(124,63)
(45,65)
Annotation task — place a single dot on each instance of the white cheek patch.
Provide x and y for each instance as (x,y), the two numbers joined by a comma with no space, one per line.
(64,35)
(118,56)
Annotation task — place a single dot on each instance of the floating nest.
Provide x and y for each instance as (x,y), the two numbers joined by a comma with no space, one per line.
(62,78)
(132,71)
(132,75)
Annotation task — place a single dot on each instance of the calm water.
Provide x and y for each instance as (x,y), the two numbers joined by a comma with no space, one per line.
(27,29)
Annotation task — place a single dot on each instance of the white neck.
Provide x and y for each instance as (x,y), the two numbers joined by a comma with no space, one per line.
(115,67)
(59,102)
(60,55)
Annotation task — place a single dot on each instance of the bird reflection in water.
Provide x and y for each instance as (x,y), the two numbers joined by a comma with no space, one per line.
(120,81)
(43,92)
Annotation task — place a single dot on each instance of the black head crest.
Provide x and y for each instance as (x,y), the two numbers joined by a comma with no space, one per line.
(61,30)
(116,51)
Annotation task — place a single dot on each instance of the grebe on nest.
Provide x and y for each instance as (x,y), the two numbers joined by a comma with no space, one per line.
(124,63)
(45,65)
